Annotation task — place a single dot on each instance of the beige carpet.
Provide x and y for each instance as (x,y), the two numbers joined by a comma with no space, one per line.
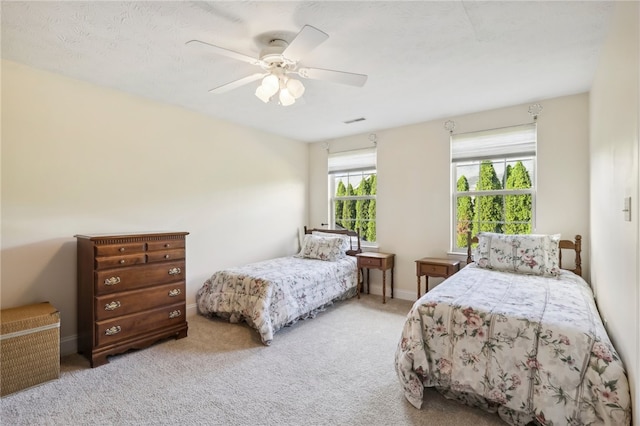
(335,369)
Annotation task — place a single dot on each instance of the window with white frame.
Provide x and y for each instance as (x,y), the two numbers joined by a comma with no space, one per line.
(352,192)
(493,175)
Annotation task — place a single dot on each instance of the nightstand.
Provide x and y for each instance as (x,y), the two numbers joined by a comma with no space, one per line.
(381,261)
(434,267)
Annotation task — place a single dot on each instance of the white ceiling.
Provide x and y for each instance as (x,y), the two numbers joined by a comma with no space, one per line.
(425,60)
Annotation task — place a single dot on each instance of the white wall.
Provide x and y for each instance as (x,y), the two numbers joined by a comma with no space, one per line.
(414,201)
(77,159)
(615,131)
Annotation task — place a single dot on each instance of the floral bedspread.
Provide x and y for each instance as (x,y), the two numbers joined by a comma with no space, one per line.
(529,347)
(271,294)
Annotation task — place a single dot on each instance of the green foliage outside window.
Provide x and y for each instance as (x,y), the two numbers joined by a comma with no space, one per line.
(362,207)
(349,210)
(341,191)
(488,208)
(371,229)
(464,213)
(518,207)
(357,214)
(509,214)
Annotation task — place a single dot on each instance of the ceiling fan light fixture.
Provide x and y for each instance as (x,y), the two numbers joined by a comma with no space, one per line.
(271,84)
(288,89)
(295,87)
(262,94)
(286,98)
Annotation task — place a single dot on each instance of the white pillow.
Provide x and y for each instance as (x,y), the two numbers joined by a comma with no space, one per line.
(534,254)
(322,248)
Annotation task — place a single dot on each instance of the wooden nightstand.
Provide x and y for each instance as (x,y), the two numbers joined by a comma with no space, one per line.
(381,261)
(434,267)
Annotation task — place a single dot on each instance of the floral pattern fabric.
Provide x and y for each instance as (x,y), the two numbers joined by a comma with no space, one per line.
(322,248)
(526,254)
(531,348)
(271,294)
(346,239)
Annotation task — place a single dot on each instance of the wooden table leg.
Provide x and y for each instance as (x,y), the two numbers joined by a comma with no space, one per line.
(384,285)
(392,283)
(368,285)
(358,284)
(418,288)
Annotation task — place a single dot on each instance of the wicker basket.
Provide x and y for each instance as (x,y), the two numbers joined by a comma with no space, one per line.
(29,346)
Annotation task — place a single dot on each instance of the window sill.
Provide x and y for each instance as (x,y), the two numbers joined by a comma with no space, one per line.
(370,247)
(457,255)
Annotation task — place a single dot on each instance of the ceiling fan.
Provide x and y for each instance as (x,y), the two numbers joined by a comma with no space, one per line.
(279,61)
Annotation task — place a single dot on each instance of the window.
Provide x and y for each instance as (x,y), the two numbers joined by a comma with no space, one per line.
(493,182)
(352,192)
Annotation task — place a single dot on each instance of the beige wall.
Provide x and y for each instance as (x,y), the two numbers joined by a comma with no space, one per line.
(615,126)
(414,202)
(77,158)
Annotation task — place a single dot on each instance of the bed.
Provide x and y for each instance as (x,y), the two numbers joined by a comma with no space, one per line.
(514,333)
(271,294)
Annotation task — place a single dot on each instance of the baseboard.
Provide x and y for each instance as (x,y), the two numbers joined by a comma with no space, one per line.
(397,294)
(192,310)
(69,345)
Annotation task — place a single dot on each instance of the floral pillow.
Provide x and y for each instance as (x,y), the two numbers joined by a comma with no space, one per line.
(534,254)
(322,248)
(346,245)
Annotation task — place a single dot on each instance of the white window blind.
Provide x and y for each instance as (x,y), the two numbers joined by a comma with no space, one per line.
(506,142)
(355,160)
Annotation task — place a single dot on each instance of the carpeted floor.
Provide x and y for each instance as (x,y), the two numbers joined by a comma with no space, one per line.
(335,369)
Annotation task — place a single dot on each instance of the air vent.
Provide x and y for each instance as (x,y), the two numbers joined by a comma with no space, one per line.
(355,120)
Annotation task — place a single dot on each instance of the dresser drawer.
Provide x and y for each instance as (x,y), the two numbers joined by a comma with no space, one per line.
(166,244)
(116,280)
(159,256)
(367,262)
(433,269)
(116,249)
(117,304)
(117,261)
(117,329)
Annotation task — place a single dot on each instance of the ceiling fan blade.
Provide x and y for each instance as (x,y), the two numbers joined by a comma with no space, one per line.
(341,77)
(237,83)
(212,48)
(304,42)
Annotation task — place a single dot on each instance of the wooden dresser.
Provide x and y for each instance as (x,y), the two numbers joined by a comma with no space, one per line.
(131,292)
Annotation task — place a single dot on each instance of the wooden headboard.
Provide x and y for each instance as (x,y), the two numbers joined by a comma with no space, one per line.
(575,245)
(353,251)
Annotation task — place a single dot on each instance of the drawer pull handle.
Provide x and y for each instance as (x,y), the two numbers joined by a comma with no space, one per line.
(167,245)
(175,314)
(174,271)
(112,306)
(112,281)
(121,249)
(166,256)
(113,330)
(122,261)
(175,292)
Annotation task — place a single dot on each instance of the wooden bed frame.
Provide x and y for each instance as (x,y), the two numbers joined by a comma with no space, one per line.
(575,245)
(356,234)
